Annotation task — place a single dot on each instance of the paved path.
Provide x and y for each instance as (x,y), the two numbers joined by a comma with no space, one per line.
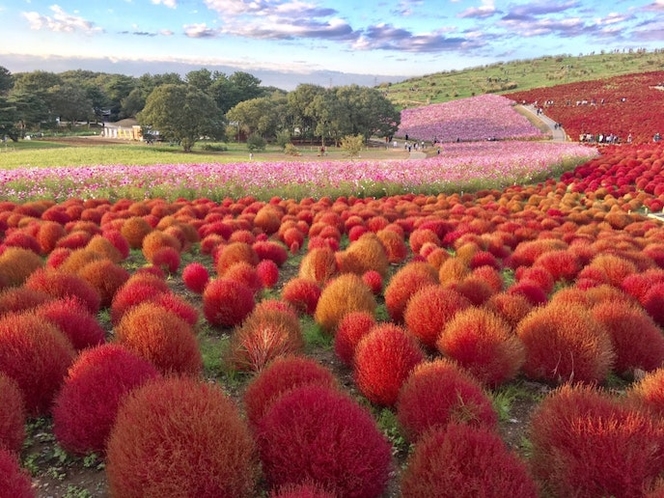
(557,133)
(416,154)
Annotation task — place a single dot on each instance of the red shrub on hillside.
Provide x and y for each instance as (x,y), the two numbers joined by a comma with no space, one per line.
(565,344)
(587,444)
(136,290)
(374,281)
(296,433)
(530,290)
(85,408)
(461,461)
(404,283)
(19,238)
(246,274)
(156,240)
(17,264)
(78,259)
(653,303)
(63,285)
(161,337)
(179,305)
(394,244)
(134,230)
(510,307)
(16,299)
(105,277)
(186,437)
(648,392)
(365,254)
(195,277)
(235,252)
(302,293)
(268,272)
(484,344)
(49,234)
(270,250)
(438,393)
(57,257)
(167,258)
(36,355)
(351,329)
(105,247)
(73,319)
(344,294)
(281,375)
(12,415)
(16,483)
(118,240)
(227,303)
(384,358)
(319,265)
(428,311)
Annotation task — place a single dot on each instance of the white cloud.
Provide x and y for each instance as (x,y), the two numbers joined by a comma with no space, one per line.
(60,21)
(171,4)
(200,30)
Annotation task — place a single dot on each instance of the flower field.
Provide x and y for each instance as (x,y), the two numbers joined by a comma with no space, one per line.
(210,331)
(621,105)
(477,118)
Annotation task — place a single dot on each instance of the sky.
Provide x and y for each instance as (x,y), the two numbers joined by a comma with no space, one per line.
(330,42)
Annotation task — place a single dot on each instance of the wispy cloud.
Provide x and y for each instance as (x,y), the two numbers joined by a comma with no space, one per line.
(199,31)
(487,9)
(60,21)
(387,37)
(171,4)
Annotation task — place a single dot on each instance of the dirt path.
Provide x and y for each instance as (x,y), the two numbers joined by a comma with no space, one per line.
(557,132)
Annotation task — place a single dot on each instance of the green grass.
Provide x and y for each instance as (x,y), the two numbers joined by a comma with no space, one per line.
(518,75)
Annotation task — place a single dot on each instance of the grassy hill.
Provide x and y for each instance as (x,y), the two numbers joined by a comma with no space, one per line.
(504,77)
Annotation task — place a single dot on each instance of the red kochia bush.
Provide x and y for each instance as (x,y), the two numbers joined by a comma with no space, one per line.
(319,265)
(637,341)
(167,258)
(384,358)
(565,344)
(16,265)
(649,392)
(296,434)
(36,355)
(74,320)
(406,282)
(227,302)
(61,285)
(268,272)
(587,444)
(465,462)
(235,252)
(86,406)
(438,393)
(279,376)
(352,328)
(344,294)
(302,293)
(429,310)
(195,277)
(17,299)
(245,273)
(16,483)
(484,344)
(187,439)
(12,415)
(137,289)
(161,337)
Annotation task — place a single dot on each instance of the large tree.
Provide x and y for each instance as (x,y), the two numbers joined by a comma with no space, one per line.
(264,116)
(181,113)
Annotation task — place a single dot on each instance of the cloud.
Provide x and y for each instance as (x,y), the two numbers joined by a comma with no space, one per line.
(199,31)
(658,5)
(406,8)
(387,37)
(532,10)
(171,4)
(60,21)
(487,9)
(273,29)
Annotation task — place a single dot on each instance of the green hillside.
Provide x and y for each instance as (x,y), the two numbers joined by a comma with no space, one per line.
(504,77)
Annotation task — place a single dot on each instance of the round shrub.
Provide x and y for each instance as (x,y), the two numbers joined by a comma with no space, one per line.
(177,304)
(57,257)
(161,337)
(374,281)
(134,230)
(17,264)
(195,277)
(438,393)
(235,252)
(404,283)
(584,443)
(653,303)
(352,328)
(136,290)
(16,483)
(428,311)
(266,334)
(484,344)
(531,290)
(17,299)
(167,258)
(363,255)
(344,294)
(510,307)
(565,344)
(156,240)
(74,320)
(85,408)
(78,259)
(384,358)
(48,235)
(186,437)
(561,264)
(394,244)
(36,355)
(268,273)
(272,251)
(302,293)
(319,265)
(226,302)
(649,392)
(19,238)
(105,247)
(637,341)
(246,274)
(62,285)
(116,238)
(461,461)
(12,415)
(279,376)
(105,277)
(296,433)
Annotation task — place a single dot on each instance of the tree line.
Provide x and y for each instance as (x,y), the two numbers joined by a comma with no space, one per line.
(185,109)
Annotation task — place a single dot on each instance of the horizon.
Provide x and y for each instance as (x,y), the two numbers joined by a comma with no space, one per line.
(288,42)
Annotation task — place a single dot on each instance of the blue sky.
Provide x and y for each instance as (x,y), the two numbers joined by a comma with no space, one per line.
(333,39)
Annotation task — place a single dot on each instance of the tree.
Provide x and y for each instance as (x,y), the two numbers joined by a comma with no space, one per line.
(352,144)
(8,120)
(302,109)
(70,103)
(181,113)
(6,80)
(262,116)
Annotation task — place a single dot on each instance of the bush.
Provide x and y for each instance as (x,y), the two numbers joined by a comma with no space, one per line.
(136,290)
(134,230)
(161,337)
(17,264)
(265,335)
(305,490)
(586,444)
(297,432)
(384,358)
(271,250)
(16,483)
(484,344)
(352,145)
(17,299)
(227,303)
(510,307)
(73,319)
(319,265)
(465,462)
(104,246)
(246,274)
(352,328)
(302,293)
(36,355)
(438,393)
(429,310)
(187,439)
(167,258)
(649,392)
(404,283)
(235,252)
(12,415)
(256,143)
(195,277)
(345,294)
(565,344)
(62,285)
(280,376)
(86,406)
(268,273)
(363,255)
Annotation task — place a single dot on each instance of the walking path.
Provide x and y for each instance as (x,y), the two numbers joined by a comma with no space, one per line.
(558,133)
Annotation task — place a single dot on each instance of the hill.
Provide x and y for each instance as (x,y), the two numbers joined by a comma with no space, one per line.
(519,75)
